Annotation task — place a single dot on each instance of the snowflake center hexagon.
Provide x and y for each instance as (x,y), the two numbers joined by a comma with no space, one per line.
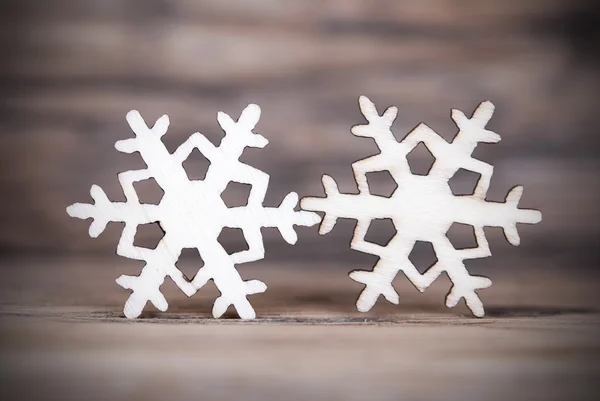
(422,204)
(423,207)
(201,209)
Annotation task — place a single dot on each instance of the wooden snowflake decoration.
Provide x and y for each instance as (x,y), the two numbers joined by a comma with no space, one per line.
(422,208)
(192,213)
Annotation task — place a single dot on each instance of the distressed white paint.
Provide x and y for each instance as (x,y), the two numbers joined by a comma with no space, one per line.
(422,207)
(192,213)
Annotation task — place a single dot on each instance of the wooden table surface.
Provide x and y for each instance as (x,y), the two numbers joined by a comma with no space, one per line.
(68,339)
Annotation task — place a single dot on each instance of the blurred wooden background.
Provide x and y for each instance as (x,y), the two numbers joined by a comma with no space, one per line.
(72,69)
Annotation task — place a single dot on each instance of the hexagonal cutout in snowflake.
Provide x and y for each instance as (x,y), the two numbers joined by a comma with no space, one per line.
(462,236)
(423,207)
(189,262)
(381,183)
(196,166)
(381,231)
(464,182)
(236,194)
(149,191)
(420,160)
(148,235)
(232,240)
(423,256)
(192,213)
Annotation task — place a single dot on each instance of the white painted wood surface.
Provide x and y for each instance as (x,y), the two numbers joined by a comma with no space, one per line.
(192,213)
(422,208)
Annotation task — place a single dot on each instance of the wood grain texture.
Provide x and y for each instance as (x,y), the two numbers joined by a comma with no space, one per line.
(65,338)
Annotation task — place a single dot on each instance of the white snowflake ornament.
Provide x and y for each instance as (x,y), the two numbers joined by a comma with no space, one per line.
(422,208)
(192,213)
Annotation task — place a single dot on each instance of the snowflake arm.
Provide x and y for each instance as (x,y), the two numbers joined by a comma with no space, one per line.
(378,128)
(145,288)
(104,211)
(142,132)
(238,136)
(337,205)
(473,210)
(283,217)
